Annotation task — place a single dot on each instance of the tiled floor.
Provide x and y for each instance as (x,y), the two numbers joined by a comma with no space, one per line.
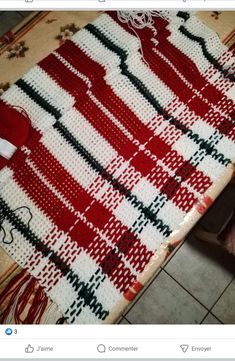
(9,19)
(197,285)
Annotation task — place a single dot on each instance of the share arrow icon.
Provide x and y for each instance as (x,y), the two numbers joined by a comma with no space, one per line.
(184,348)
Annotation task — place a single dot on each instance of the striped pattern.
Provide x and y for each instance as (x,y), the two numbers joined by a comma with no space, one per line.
(122,149)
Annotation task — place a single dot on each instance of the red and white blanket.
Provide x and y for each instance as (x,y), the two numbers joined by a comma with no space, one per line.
(127,135)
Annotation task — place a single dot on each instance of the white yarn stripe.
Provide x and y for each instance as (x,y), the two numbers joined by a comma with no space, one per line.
(89,137)
(49,89)
(94,49)
(112,30)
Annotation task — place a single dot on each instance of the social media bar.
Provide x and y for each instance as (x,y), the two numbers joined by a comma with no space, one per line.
(120,341)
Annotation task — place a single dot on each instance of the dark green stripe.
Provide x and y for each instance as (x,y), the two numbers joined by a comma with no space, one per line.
(184,15)
(34,95)
(32,237)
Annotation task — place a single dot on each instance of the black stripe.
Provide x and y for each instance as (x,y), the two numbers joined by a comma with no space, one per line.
(34,95)
(115,183)
(110,45)
(83,289)
(184,15)
(201,41)
(146,93)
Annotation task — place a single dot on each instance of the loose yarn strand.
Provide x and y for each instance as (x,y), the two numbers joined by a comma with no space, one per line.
(140,20)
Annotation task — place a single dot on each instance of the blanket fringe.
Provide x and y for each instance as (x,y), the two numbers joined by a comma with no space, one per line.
(26,300)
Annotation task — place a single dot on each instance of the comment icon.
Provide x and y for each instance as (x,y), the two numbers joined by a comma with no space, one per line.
(101,348)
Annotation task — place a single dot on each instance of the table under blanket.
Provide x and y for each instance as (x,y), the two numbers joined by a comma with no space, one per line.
(131,140)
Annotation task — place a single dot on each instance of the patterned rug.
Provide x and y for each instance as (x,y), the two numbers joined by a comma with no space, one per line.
(131,141)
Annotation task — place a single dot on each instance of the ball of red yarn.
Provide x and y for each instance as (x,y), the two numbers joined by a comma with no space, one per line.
(14,127)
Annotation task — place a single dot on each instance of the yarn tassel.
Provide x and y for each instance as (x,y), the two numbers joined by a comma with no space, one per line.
(26,300)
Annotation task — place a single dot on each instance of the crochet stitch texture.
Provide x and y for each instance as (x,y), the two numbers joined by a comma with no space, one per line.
(119,153)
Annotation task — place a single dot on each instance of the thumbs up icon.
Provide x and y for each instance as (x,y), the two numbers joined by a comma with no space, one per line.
(29,349)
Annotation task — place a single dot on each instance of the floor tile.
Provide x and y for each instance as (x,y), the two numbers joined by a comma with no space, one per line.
(141,293)
(211,320)
(225,307)
(203,269)
(165,302)
(8,20)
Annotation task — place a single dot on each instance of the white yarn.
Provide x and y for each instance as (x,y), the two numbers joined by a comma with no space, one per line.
(140,20)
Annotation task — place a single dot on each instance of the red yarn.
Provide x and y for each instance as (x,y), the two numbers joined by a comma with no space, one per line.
(31,291)
(14,127)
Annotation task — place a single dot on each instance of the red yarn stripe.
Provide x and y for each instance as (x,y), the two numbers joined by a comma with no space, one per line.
(79,60)
(63,76)
(107,129)
(56,211)
(60,178)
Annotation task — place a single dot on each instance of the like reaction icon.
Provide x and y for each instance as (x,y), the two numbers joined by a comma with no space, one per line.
(8,331)
(29,349)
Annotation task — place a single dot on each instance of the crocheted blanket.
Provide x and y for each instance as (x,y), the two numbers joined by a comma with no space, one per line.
(130,138)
